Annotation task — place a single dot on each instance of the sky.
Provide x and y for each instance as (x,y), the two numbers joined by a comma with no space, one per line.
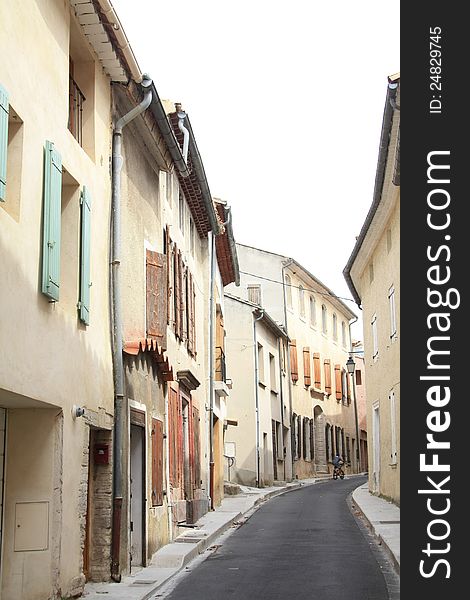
(286,102)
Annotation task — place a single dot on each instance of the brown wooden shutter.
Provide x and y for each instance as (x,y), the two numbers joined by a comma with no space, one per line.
(294,370)
(348,388)
(338,382)
(168,270)
(184,304)
(157,296)
(157,462)
(307,377)
(193,315)
(176,296)
(317,369)
(327,369)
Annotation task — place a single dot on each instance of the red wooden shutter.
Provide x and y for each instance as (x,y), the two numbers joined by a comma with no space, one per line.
(338,382)
(157,462)
(197,449)
(294,370)
(156,296)
(173,400)
(307,377)
(317,369)
(327,369)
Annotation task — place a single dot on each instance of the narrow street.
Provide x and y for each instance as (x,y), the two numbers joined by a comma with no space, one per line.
(304,544)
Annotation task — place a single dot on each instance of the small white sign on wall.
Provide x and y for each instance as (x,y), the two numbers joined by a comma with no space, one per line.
(229,451)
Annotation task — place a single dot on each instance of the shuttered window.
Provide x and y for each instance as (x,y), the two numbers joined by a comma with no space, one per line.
(175,436)
(294,369)
(327,369)
(156,296)
(85,240)
(299,436)
(3,141)
(197,449)
(317,369)
(168,250)
(191,314)
(52,198)
(157,462)
(348,384)
(338,383)
(307,376)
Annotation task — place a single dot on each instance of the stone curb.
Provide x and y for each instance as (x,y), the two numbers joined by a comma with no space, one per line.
(377,536)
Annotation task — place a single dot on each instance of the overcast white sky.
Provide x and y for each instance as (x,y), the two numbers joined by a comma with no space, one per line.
(286,102)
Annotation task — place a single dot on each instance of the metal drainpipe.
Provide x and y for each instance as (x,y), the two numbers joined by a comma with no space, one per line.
(118,363)
(281,397)
(292,449)
(212,361)
(184,131)
(358,440)
(211,370)
(257,397)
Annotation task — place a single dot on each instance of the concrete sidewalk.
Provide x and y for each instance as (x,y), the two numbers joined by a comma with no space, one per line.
(384,520)
(173,557)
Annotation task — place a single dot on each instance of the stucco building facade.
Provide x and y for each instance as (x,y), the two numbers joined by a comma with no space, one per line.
(322,417)
(373,276)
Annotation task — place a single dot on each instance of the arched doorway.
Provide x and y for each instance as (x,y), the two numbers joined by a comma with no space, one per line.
(320,441)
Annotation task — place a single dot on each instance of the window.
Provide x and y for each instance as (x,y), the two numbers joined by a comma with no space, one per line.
(192,236)
(358,373)
(335,327)
(324,319)
(375,343)
(301,302)
(254,293)
(11,156)
(393,429)
(299,437)
(343,334)
(181,208)
(393,322)
(260,364)
(288,284)
(344,387)
(272,373)
(168,186)
(313,311)
(82,92)
(371,272)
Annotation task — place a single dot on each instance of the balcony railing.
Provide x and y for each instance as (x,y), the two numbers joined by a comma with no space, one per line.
(76,100)
(220,368)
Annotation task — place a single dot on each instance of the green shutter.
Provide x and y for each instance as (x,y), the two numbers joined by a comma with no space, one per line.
(51,223)
(84,302)
(3,141)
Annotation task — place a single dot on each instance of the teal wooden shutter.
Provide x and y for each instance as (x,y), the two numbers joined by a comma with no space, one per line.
(51,222)
(85,283)
(3,141)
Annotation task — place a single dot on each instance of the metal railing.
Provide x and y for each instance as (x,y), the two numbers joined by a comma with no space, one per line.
(220,367)
(76,100)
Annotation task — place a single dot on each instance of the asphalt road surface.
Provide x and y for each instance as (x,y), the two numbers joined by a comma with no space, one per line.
(305,545)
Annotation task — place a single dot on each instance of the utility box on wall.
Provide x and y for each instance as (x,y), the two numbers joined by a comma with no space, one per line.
(101,454)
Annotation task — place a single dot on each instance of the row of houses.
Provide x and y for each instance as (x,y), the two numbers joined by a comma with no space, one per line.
(146,357)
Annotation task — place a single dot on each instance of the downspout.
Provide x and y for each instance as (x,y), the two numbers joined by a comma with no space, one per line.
(281,397)
(211,369)
(289,381)
(211,357)
(118,362)
(184,131)
(356,417)
(255,341)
